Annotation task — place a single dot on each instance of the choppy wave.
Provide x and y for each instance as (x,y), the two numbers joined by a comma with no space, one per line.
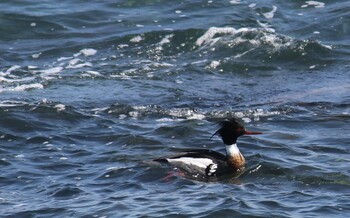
(223,49)
(228,48)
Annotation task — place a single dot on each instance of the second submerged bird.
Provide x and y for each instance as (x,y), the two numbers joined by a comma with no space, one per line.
(210,163)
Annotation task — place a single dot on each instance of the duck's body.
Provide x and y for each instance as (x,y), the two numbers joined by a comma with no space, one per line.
(211,163)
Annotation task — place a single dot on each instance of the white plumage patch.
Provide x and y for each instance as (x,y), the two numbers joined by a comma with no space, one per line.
(204,166)
(212,169)
(198,162)
(232,150)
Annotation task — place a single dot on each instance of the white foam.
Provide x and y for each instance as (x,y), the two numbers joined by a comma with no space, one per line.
(93,73)
(136,39)
(265,26)
(37,55)
(51,71)
(60,107)
(246,120)
(317,4)
(123,45)
(29,86)
(122,76)
(249,115)
(26,87)
(244,53)
(25,79)
(327,46)
(235,2)
(44,101)
(212,31)
(312,67)
(31,67)
(260,113)
(140,107)
(73,64)
(74,61)
(14,67)
(271,14)
(214,64)
(113,168)
(196,117)
(166,39)
(167,29)
(267,36)
(19,156)
(86,64)
(165,120)
(199,62)
(88,52)
(64,58)
(122,116)
(252,5)
(3,105)
(134,114)
(10,104)
(162,64)
(255,169)
(187,113)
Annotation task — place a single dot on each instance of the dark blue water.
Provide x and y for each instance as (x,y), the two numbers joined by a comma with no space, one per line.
(91,92)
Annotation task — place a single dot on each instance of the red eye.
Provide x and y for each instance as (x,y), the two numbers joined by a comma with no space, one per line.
(240,130)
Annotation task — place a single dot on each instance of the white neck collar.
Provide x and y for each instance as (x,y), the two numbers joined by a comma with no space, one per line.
(232,150)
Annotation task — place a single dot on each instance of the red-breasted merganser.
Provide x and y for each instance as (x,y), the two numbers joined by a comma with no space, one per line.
(210,163)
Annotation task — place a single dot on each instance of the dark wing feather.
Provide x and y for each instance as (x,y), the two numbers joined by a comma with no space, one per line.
(205,153)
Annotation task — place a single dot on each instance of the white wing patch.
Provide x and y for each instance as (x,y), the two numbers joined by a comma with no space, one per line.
(203,166)
(212,169)
(198,162)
